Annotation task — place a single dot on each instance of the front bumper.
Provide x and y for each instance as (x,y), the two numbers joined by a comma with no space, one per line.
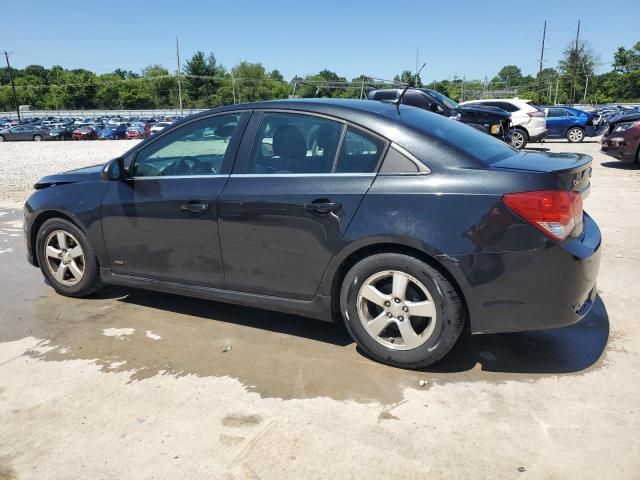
(620,150)
(551,286)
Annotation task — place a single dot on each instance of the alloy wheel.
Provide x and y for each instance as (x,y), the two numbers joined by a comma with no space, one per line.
(396,310)
(64,257)
(517,139)
(575,135)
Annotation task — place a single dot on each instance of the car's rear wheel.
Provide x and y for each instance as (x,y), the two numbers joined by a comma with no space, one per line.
(37,138)
(400,310)
(67,259)
(519,138)
(575,135)
(1,138)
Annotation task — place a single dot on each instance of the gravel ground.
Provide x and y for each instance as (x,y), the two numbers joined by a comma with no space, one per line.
(23,163)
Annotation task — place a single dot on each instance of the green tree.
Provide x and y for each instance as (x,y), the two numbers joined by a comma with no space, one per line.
(626,61)
(577,64)
(203,75)
(509,75)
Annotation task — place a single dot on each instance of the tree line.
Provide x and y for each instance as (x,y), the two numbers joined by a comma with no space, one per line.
(206,83)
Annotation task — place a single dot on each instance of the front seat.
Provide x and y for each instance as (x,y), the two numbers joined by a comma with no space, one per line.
(327,138)
(289,144)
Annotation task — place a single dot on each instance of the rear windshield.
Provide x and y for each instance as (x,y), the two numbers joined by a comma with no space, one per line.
(474,143)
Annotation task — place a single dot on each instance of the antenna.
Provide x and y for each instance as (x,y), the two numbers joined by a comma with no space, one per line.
(415,80)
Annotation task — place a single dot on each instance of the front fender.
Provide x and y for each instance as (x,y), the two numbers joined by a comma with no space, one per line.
(79,202)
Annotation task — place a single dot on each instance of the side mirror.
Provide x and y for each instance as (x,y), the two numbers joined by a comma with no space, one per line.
(114,169)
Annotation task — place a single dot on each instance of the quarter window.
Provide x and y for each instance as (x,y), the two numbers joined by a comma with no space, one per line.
(197,148)
(293,143)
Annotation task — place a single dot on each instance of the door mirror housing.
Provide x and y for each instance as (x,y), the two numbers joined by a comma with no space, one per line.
(114,169)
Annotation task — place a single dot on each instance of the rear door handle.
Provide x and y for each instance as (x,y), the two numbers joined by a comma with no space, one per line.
(194,207)
(323,206)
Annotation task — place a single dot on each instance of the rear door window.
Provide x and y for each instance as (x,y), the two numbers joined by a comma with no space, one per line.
(360,153)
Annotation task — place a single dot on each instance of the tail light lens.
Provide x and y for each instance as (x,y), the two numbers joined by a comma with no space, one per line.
(536,114)
(555,212)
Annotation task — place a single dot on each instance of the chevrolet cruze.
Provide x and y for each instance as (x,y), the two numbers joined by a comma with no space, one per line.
(400,222)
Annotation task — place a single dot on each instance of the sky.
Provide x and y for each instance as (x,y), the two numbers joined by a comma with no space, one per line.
(471,39)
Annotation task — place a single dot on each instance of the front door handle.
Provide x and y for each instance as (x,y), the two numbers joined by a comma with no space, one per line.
(323,206)
(194,207)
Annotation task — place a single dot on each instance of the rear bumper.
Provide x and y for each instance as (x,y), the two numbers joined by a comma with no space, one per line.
(538,136)
(548,287)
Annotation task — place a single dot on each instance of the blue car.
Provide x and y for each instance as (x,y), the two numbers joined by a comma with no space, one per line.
(113,132)
(570,123)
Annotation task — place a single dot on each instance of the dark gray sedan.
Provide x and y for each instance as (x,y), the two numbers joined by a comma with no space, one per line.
(24,132)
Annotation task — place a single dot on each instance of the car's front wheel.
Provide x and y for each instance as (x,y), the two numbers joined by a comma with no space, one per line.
(37,138)
(67,259)
(400,310)
(575,134)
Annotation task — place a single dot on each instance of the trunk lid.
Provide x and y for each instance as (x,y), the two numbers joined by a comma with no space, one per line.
(573,169)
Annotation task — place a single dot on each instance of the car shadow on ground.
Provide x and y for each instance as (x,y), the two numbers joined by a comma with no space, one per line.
(622,165)
(563,350)
(335,334)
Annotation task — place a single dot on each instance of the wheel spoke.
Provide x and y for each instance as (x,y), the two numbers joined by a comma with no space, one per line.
(53,252)
(75,270)
(409,335)
(76,251)
(400,282)
(421,309)
(378,324)
(62,240)
(374,295)
(59,273)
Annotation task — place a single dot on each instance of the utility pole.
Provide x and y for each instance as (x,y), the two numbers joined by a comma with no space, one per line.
(574,67)
(13,87)
(544,34)
(362,88)
(179,76)
(233,87)
(585,90)
(555,102)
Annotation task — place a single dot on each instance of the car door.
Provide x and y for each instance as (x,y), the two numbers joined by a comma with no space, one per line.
(161,222)
(18,133)
(556,122)
(298,181)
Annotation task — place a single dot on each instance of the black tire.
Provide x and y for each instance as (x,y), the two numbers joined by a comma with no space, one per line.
(37,138)
(1,138)
(90,281)
(449,308)
(519,138)
(575,135)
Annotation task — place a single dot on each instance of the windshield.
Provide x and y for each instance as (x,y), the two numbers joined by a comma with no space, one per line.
(451,133)
(442,98)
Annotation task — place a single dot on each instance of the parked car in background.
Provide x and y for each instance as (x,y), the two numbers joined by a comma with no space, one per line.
(158,127)
(24,132)
(570,123)
(493,121)
(621,139)
(135,132)
(402,224)
(85,133)
(113,132)
(528,121)
(61,133)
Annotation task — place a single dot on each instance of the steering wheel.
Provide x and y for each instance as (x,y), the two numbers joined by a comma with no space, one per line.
(191,166)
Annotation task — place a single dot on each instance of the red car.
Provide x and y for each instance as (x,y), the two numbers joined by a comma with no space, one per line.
(85,133)
(622,138)
(135,132)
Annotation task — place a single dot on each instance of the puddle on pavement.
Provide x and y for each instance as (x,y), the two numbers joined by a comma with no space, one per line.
(147,334)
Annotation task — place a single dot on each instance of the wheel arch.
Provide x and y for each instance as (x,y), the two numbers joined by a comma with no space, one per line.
(385,247)
(39,221)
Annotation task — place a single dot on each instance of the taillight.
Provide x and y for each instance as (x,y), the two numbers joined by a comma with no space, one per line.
(555,212)
(536,114)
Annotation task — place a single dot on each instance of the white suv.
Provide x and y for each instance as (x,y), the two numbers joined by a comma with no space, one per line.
(529,124)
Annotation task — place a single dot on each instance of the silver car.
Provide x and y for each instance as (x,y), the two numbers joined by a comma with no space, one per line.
(24,132)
